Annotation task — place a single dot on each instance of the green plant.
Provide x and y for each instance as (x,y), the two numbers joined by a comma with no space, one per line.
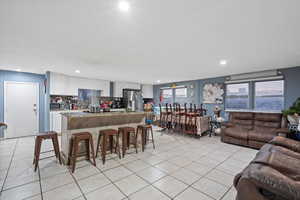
(295,108)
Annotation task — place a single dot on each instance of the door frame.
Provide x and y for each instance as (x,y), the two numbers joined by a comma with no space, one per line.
(37,100)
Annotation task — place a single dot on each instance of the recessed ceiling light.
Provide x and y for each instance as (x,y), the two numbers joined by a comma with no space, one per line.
(77,71)
(223,62)
(124,6)
(158,81)
(18,70)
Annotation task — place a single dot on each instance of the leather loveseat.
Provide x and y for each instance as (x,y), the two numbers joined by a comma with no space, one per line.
(253,129)
(274,174)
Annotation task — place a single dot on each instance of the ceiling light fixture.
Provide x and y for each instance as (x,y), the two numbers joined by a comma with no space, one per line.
(223,62)
(18,70)
(124,6)
(77,71)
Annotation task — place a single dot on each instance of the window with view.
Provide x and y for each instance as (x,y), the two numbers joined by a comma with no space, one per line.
(237,96)
(181,92)
(269,95)
(167,93)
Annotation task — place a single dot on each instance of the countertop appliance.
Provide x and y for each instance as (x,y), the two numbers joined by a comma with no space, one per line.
(133,100)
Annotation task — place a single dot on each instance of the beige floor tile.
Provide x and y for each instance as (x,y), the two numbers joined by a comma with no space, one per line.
(117,173)
(211,188)
(198,168)
(109,192)
(186,176)
(192,194)
(151,174)
(21,192)
(149,193)
(167,167)
(93,182)
(221,177)
(170,186)
(137,165)
(56,181)
(131,184)
(86,171)
(66,192)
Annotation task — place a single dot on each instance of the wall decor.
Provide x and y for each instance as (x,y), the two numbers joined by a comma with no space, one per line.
(213,93)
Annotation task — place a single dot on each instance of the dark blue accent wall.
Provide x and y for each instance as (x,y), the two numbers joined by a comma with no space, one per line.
(292,88)
(292,85)
(25,77)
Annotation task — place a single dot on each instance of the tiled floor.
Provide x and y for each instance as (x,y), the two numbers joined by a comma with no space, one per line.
(181,168)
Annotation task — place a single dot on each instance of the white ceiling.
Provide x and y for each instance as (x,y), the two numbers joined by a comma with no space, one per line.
(167,40)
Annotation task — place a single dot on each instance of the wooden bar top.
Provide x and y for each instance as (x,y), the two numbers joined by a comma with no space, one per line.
(81,120)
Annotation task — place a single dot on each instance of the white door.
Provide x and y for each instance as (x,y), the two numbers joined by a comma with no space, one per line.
(21,104)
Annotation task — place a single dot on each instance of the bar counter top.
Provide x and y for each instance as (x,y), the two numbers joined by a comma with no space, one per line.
(88,114)
(82,120)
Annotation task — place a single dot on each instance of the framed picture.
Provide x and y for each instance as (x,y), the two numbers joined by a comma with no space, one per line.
(213,93)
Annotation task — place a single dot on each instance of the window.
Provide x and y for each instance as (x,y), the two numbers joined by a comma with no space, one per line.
(237,96)
(269,95)
(181,92)
(167,93)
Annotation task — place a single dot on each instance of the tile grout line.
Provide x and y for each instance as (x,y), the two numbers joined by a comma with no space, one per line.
(15,147)
(40,181)
(77,184)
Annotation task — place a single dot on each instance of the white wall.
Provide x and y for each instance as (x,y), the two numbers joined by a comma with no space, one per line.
(147,91)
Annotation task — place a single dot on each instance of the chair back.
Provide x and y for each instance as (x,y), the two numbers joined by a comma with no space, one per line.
(167,107)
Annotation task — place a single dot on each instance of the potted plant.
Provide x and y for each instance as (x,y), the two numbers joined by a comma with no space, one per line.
(293,118)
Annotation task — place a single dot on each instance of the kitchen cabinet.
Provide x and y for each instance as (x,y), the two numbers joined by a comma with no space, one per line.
(147,90)
(119,86)
(61,84)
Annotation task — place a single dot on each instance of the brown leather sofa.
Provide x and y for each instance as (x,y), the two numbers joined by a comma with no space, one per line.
(253,129)
(274,174)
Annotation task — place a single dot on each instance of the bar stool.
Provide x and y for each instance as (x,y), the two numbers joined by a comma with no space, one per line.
(162,117)
(76,139)
(108,134)
(143,130)
(191,121)
(126,139)
(177,117)
(38,143)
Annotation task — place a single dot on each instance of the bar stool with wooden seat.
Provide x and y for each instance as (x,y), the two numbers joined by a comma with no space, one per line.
(127,139)
(191,121)
(111,135)
(162,117)
(76,139)
(143,131)
(38,143)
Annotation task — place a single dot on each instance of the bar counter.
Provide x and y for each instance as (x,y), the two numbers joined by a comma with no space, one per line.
(76,122)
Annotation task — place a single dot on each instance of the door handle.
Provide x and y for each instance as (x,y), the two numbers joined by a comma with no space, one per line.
(34,108)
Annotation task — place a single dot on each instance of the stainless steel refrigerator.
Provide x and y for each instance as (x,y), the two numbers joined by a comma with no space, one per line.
(133,100)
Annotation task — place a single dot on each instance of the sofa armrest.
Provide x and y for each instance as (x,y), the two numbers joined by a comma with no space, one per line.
(282,132)
(287,143)
(267,182)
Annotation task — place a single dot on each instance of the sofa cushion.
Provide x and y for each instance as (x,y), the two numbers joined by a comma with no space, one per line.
(268,117)
(236,132)
(243,119)
(242,115)
(261,136)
